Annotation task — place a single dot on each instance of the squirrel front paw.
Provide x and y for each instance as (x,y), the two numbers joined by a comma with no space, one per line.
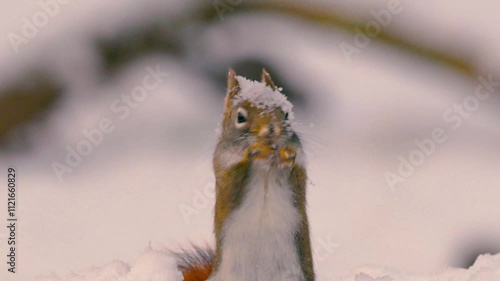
(284,156)
(261,152)
(287,155)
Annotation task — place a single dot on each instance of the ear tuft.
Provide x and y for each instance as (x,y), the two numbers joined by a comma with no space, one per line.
(231,79)
(232,87)
(266,79)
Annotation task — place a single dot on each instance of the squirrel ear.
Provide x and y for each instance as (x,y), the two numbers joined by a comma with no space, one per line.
(232,87)
(266,79)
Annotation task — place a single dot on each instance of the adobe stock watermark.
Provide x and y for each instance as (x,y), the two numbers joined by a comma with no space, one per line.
(30,27)
(121,108)
(203,199)
(224,6)
(365,277)
(363,38)
(454,117)
(324,248)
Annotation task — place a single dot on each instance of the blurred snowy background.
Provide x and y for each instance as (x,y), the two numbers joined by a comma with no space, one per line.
(70,67)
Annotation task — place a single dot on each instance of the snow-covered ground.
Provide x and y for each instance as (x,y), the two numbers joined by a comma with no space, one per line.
(137,184)
(151,265)
(158,265)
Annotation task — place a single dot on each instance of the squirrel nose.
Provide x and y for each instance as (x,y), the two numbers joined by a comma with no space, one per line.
(271,130)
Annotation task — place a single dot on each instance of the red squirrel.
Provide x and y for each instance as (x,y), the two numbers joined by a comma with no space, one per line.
(260,223)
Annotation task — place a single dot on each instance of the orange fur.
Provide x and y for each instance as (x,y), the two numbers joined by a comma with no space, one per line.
(197,273)
(195,264)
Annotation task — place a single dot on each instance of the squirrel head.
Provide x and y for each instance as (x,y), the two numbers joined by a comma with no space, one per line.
(256,113)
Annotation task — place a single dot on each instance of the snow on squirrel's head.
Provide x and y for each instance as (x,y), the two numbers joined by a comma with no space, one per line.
(256,109)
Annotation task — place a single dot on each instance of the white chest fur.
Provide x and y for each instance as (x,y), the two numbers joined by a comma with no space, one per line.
(259,236)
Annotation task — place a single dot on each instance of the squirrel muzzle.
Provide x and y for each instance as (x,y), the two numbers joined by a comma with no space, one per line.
(268,133)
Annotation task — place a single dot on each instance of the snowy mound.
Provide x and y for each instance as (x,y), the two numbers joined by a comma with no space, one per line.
(152,265)
(262,97)
(155,265)
(486,268)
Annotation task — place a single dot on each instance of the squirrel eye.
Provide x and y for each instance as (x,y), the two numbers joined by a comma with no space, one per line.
(286,116)
(241,119)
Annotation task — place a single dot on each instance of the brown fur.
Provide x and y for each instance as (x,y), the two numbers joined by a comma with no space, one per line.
(298,179)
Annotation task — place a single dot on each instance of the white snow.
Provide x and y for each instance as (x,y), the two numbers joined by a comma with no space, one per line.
(486,268)
(151,265)
(262,96)
(158,265)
